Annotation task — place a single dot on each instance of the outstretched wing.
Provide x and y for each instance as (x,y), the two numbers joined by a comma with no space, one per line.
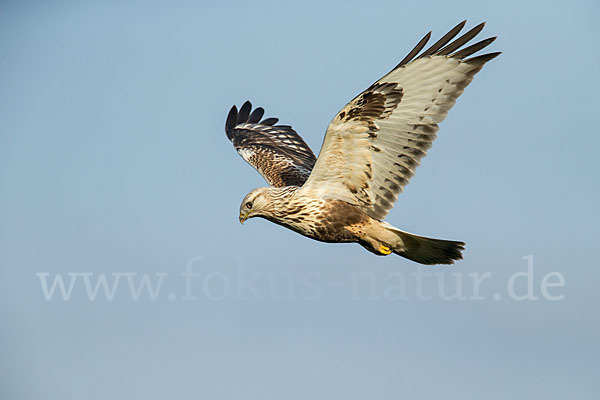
(374,144)
(276,151)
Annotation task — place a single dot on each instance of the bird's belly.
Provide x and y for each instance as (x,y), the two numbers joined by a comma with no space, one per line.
(329,225)
(324,232)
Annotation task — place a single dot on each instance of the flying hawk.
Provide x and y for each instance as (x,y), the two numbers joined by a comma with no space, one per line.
(371,150)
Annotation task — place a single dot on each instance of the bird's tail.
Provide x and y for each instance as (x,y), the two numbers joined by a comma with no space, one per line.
(425,250)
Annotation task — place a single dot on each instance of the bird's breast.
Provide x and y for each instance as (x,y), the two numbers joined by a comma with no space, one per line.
(323,220)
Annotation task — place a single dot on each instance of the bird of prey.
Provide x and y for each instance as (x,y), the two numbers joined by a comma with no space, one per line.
(370,152)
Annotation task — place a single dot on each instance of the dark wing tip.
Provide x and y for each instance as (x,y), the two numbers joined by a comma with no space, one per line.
(244,112)
(444,40)
(244,115)
(472,49)
(269,121)
(484,57)
(415,50)
(445,46)
(458,43)
(247,115)
(231,121)
(256,115)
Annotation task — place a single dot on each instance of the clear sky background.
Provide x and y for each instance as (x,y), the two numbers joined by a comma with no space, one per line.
(113,159)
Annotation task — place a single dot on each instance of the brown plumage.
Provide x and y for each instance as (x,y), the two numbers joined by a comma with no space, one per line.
(370,152)
(276,151)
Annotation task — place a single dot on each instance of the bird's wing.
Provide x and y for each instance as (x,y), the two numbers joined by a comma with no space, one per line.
(276,151)
(373,145)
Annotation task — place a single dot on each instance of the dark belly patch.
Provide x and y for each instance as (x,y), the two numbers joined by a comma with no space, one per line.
(335,217)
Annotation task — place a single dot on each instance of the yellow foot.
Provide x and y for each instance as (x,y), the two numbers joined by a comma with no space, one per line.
(385,250)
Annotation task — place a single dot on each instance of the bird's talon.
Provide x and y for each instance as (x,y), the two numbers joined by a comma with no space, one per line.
(385,250)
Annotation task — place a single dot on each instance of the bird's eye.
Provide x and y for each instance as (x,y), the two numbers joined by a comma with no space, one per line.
(249,205)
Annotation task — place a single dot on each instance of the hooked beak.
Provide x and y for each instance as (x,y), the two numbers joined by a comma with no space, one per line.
(243,217)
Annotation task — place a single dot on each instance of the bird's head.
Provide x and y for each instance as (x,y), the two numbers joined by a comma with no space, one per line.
(255,204)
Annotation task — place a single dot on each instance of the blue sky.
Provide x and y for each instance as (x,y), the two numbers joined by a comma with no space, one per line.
(113,160)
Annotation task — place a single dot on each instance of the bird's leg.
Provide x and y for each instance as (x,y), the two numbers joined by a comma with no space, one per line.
(369,236)
(383,249)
